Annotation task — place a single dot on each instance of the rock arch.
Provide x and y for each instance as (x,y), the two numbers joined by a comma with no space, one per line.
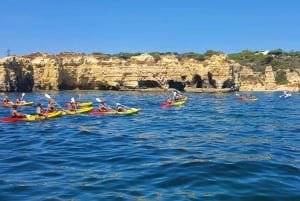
(148,84)
(197,81)
(176,85)
(229,83)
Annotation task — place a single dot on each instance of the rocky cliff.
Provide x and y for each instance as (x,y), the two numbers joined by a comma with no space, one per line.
(41,71)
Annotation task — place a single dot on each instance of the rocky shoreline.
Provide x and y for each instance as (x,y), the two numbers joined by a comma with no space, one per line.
(69,71)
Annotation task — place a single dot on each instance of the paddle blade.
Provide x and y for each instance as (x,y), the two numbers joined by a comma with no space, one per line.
(47,96)
(98,100)
(23,94)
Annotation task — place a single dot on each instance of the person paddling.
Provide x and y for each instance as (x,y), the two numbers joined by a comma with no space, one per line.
(175,96)
(16,114)
(120,108)
(6,100)
(103,106)
(51,106)
(39,110)
(18,100)
(72,106)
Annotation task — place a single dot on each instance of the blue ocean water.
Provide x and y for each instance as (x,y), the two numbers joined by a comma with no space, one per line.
(212,148)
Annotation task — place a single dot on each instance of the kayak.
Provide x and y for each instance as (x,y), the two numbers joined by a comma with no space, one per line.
(78,111)
(54,114)
(17,104)
(248,99)
(32,117)
(83,104)
(285,95)
(176,103)
(128,111)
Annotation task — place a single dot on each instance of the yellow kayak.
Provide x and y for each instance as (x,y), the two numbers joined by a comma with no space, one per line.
(83,104)
(48,116)
(78,111)
(17,104)
(178,102)
(128,111)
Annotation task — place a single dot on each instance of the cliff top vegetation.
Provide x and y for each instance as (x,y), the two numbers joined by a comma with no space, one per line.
(256,60)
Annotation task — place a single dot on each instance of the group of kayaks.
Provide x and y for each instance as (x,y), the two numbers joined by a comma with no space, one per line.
(251,98)
(87,107)
(248,98)
(81,107)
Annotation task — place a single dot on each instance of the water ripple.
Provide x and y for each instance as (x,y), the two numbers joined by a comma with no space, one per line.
(212,148)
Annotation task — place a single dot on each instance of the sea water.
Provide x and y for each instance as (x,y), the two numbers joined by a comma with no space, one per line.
(212,148)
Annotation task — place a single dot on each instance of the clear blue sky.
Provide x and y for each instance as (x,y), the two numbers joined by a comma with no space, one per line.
(113,26)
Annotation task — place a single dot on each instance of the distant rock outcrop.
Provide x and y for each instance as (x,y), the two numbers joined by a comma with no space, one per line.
(42,71)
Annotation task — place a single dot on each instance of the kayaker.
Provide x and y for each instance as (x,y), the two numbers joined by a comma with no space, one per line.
(39,110)
(16,114)
(285,93)
(120,108)
(76,103)
(51,106)
(72,106)
(6,100)
(251,97)
(103,107)
(242,98)
(18,100)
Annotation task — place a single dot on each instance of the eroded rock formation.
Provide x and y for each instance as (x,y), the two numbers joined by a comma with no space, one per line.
(41,71)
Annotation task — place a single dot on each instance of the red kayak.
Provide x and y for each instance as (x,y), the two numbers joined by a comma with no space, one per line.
(178,102)
(13,119)
(32,117)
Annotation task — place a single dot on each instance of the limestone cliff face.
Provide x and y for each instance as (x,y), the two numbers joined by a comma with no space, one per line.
(252,81)
(41,71)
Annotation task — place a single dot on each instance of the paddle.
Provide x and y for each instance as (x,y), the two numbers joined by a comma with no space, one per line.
(23,94)
(79,95)
(49,97)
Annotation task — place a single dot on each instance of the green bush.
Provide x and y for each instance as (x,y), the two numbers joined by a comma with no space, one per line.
(156,56)
(281,77)
(193,55)
(126,56)
(278,59)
